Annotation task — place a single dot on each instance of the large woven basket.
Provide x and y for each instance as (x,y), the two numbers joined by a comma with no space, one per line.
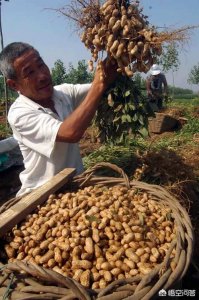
(161,123)
(21,280)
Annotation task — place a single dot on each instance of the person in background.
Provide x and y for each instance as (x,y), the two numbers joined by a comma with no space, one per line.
(48,122)
(157,88)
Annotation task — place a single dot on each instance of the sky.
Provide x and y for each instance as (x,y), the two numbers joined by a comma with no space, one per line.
(34,22)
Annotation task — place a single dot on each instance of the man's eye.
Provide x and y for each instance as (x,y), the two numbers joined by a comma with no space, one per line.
(30,72)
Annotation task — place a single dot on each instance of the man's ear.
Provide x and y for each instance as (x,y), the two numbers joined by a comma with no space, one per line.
(12,84)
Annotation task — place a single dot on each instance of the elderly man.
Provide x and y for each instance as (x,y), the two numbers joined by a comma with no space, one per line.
(48,121)
(156,85)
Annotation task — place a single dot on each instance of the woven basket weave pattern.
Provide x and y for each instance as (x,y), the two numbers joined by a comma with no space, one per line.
(43,283)
(161,123)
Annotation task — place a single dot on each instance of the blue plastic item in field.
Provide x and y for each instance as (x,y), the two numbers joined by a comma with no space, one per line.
(10,154)
(4,157)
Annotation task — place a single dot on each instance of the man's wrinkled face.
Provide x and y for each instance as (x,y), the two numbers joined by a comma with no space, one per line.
(33,78)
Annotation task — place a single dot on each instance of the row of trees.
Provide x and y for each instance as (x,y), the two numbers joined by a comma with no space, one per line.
(80,74)
(194,75)
(71,75)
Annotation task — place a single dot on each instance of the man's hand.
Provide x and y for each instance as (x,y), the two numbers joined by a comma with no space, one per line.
(110,70)
(106,72)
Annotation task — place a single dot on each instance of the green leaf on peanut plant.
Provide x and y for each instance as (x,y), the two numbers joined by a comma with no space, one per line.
(118,108)
(123,119)
(143,131)
(126,107)
(116,119)
(121,138)
(127,93)
(131,106)
(135,117)
(141,120)
(128,117)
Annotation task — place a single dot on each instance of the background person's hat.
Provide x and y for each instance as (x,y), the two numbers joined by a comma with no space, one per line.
(155,70)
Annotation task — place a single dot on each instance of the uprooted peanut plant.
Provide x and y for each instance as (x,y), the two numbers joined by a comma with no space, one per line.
(119,31)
